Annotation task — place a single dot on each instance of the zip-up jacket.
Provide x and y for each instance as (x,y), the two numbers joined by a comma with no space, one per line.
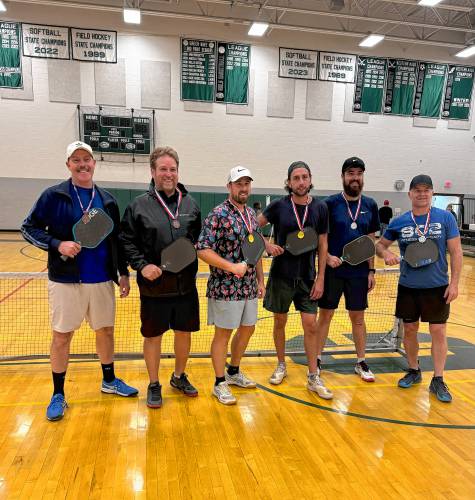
(146,230)
(51,222)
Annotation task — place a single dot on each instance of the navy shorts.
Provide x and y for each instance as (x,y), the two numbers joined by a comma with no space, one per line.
(159,314)
(355,291)
(428,304)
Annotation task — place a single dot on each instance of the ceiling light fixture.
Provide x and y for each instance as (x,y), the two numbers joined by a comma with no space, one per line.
(371,40)
(466,52)
(132,16)
(428,3)
(3,7)
(258,29)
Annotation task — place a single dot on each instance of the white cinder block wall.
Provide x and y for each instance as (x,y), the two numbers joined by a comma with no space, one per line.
(33,134)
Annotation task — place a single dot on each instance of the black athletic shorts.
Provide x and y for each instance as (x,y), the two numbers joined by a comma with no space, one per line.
(355,291)
(281,292)
(159,314)
(426,304)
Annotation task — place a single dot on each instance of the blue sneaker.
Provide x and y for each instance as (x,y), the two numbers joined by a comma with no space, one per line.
(412,377)
(118,386)
(57,405)
(440,389)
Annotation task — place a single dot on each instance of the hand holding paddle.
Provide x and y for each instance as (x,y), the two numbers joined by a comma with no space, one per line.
(358,251)
(69,249)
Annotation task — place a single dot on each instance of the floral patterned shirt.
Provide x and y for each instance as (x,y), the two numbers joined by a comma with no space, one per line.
(224,231)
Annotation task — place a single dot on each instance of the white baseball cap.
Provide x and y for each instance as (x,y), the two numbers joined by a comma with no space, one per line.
(78,145)
(238,172)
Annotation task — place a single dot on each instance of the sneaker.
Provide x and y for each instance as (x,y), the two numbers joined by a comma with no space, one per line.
(183,384)
(412,377)
(57,405)
(362,369)
(279,374)
(224,394)
(440,389)
(154,395)
(118,386)
(240,380)
(315,384)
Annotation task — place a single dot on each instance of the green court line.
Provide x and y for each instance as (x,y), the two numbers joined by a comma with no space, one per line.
(363,416)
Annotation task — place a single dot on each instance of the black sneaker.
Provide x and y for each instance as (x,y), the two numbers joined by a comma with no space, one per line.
(412,377)
(438,387)
(183,384)
(154,395)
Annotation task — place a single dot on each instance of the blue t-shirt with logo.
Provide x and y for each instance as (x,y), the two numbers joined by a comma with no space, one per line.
(340,232)
(92,262)
(442,227)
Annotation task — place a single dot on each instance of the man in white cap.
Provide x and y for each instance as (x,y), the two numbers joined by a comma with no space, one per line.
(80,279)
(233,287)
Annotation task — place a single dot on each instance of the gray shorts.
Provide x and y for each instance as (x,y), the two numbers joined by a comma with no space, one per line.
(231,314)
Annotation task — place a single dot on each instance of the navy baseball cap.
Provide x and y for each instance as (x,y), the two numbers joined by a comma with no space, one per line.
(353,162)
(421,179)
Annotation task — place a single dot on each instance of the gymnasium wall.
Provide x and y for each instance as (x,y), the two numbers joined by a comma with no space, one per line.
(211,138)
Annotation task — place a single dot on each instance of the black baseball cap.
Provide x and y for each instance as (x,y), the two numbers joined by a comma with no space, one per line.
(421,179)
(297,164)
(353,162)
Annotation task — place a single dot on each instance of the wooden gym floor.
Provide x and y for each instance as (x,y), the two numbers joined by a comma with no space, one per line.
(372,441)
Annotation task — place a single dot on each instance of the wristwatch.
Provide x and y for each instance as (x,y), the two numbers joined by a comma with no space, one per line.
(372,270)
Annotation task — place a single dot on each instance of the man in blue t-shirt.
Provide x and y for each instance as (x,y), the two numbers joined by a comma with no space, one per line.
(425,293)
(81,279)
(351,215)
(293,278)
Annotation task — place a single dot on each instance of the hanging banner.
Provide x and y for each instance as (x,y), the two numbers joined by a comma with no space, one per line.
(370,80)
(198,66)
(94,45)
(10,60)
(298,63)
(51,42)
(232,73)
(458,93)
(429,89)
(334,67)
(400,87)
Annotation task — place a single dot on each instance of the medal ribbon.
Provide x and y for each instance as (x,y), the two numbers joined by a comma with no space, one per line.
(297,218)
(358,208)
(248,222)
(85,210)
(164,205)
(426,225)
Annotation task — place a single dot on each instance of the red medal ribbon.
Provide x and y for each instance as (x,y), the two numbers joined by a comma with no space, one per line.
(248,222)
(358,208)
(164,205)
(426,225)
(300,223)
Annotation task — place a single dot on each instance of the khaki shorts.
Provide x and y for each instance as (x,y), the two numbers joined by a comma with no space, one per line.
(71,303)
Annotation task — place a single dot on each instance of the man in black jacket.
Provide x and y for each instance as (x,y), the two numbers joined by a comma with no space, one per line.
(167,301)
(80,279)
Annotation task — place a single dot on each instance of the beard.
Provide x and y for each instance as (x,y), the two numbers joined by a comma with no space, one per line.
(353,188)
(240,198)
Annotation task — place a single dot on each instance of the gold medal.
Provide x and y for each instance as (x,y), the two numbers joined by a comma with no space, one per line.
(251,238)
(300,235)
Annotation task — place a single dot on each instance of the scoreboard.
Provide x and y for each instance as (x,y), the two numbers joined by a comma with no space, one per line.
(117,134)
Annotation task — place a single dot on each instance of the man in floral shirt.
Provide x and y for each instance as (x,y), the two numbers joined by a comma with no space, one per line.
(233,287)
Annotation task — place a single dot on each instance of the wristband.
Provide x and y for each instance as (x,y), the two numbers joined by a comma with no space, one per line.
(372,270)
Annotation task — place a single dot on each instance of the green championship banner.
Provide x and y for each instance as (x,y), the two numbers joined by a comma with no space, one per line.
(401,87)
(51,42)
(369,89)
(10,60)
(198,67)
(458,93)
(232,73)
(429,89)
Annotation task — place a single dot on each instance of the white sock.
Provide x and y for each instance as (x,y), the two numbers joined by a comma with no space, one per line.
(360,360)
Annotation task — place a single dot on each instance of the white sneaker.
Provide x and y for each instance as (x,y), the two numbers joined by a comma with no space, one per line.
(362,369)
(224,394)
(279,374)
(240,380)
(315,384)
